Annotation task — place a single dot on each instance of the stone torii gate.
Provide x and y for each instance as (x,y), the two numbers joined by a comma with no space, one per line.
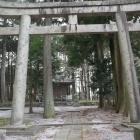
(26,11)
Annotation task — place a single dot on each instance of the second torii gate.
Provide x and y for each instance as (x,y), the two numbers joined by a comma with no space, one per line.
(25,11)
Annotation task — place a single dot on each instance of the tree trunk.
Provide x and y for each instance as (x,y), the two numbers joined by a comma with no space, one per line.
(118,76)
(132,90)
(73,86)
(108,99)
(3,90)
(31,100)
(11,81)
(101,98)
(115,59)
(49,111)
(84,83)
(31,93)
(82,88)
(8,77)
(88,88)
(86,80)
(100,57)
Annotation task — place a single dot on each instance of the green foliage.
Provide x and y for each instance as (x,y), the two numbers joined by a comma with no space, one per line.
(135,41)
(136,51)
(26,122)
(82,47)
(35,68)
(95,20)
(57,46)
(102,76)
(6,121)
(11,41)
(77,48)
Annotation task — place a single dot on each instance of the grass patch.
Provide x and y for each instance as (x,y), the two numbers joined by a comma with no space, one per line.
(26,122)
(88,103)
(4,121)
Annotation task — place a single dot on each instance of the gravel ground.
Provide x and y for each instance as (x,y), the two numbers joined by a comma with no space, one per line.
(103,131)
(107,131)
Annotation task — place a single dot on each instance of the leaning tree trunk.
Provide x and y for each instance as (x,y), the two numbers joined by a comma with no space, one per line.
(3,91)
(118,77)
(49,111)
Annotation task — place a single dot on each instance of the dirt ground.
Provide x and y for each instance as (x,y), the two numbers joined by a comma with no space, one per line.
(97,116)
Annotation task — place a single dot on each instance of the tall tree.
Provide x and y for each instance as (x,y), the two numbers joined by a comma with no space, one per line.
(49,111)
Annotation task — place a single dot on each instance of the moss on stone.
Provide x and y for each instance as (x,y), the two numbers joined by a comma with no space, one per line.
(4,121)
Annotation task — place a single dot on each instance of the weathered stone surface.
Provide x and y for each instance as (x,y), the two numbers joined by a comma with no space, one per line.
(137,133)
(73,19)
(65,4)
(19,88)
(69,29)
(2,134)
(131,83)
(130,125)
(123,128)
(64,9)
(24,132)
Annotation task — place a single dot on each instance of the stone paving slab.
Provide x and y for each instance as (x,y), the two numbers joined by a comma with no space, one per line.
(88,133)
(60,139)
(74,138)
(77,126)
(76,132)
(63,133)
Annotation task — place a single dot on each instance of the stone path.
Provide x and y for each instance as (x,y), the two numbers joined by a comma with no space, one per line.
(75,128)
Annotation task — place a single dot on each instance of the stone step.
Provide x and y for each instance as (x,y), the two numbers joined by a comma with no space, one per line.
(137,132)
(24,132)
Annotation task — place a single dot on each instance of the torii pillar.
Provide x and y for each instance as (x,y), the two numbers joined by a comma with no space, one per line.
(132,90)
(19,89)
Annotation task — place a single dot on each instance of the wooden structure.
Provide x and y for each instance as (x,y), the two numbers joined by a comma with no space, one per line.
(72,10)
(61,90)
